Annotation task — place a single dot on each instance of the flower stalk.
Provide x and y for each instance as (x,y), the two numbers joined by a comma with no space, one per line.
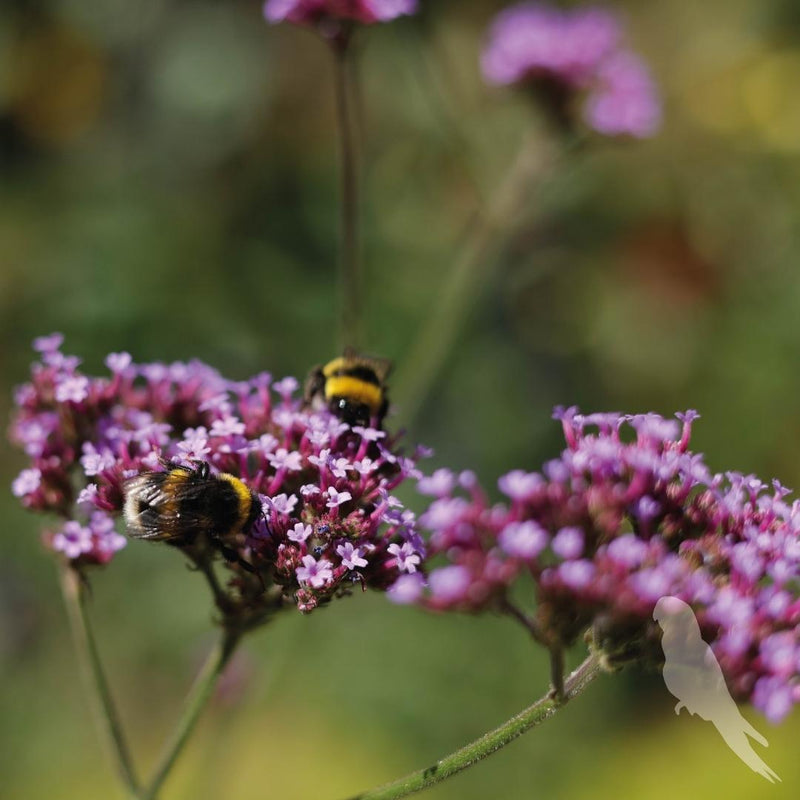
(491,742)
(75,593)
(350,273)
(196,701)
(554,648)
(439,333)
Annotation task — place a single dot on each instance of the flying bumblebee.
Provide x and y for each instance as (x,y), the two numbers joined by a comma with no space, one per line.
(185,505)
(353,387)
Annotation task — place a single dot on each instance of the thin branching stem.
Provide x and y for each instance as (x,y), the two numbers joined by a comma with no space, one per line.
(489,743)
(75,592)
(555,648)
(196,701)
(485,232)
(529,623)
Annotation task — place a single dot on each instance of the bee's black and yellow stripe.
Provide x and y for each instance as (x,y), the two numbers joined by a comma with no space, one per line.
(181,503)
(355,381)
(248,506)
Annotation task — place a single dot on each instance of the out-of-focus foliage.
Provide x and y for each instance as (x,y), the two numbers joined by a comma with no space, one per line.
(169,187)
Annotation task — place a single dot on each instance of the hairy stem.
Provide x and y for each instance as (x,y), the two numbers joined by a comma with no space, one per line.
(490,742)
(75,594)
(350,278)
(196,701)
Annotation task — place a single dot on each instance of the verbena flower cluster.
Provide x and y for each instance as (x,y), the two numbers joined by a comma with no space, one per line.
(566,53)
(330,518)
(615,523)
(626,515)
(310,12)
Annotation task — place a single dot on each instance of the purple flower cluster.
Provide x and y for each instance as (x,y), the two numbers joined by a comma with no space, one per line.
(625,516)
(565,53)
(311,12)
(330,518)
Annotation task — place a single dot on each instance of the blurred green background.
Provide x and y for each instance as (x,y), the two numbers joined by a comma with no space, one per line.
(169,187)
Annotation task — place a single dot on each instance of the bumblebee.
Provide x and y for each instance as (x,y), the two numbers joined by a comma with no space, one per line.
(353,387)
(184,506)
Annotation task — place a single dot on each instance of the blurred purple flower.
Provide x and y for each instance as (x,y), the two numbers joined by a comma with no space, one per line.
(448,584)
(73,540)
(118,362)
(310,12)
(48,344)
(442,482)
(73,388)
(523,539)
(406,589)
(27,482)
(626,100)
(566,53)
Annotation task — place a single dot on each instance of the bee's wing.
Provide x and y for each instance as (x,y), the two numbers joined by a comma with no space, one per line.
(153,512)
(381,366)
(314,385)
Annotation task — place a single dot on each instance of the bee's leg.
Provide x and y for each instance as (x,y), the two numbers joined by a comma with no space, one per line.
(184,544)
(231,555)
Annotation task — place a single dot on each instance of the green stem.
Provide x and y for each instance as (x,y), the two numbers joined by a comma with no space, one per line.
(489,743)
(75,593)
(441,329)
(555,649)
(199,695)
(350,279)
(529,623)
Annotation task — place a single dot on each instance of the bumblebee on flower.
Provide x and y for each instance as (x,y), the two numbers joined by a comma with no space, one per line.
(295,502)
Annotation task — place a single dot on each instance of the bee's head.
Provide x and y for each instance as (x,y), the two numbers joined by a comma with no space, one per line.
(351,411)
